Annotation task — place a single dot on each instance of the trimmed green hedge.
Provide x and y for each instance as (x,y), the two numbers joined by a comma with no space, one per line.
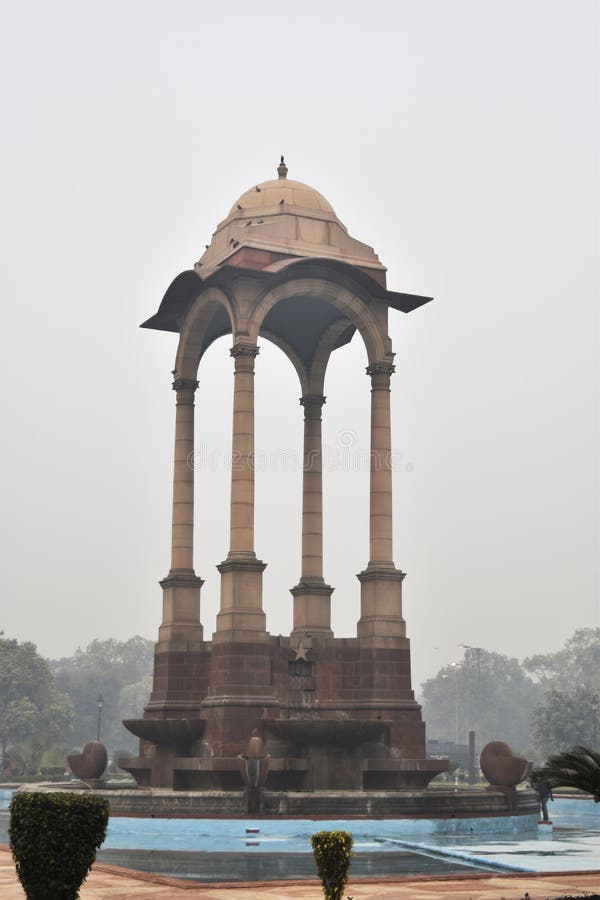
(332,851)
(54,838)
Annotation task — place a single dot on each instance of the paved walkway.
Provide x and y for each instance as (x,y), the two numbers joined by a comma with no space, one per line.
(113,883)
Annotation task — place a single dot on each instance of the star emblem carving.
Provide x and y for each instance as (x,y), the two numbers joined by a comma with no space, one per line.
(301,652)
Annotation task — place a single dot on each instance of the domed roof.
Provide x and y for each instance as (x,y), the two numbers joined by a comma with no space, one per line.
(287,218)
(278,227)
(270,193)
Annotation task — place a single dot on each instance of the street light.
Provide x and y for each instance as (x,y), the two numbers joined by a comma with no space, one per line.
(456,666)
(478,652)
(471,734)
(99,704)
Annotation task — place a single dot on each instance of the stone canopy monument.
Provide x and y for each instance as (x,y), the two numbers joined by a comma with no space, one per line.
(335,714)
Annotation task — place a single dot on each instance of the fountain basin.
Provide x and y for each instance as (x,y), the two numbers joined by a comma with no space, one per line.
(166,731)
(345,733)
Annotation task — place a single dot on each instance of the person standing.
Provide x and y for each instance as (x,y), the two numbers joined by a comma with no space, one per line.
(543,790)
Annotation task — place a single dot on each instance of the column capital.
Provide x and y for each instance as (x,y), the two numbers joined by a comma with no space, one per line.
(185,384)
(312,403)
(381,368)
(381,373)
(244,348)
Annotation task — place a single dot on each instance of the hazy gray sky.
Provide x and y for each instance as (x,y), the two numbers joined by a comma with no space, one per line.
(460,139)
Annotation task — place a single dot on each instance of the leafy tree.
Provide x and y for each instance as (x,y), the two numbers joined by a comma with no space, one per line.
(106,668)
(133,698)
(31,755)
(565,718)
(570,680)
(576,664)
(488,693)
(31,706)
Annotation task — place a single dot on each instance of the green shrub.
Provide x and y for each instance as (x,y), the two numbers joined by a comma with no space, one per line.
(332,852)
(54,838)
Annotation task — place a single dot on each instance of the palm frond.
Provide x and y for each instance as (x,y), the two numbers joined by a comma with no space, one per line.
(578,768)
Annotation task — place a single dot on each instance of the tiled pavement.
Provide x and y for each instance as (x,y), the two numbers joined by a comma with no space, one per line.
(122,884)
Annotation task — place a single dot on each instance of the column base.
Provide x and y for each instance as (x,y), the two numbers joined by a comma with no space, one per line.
(241,617)
(181,609)
(381,621)
(312,607)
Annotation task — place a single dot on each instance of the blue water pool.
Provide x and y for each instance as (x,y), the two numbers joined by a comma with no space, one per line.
(263,849)
(293,835)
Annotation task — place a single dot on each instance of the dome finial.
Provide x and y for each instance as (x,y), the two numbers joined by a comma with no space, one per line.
(282,169)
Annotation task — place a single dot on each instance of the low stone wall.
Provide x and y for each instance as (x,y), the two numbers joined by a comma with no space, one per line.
(324,804)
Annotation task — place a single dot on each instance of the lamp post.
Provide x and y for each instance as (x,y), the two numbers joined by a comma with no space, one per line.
(99,704)
(478,652)
(595,720)
(456,666)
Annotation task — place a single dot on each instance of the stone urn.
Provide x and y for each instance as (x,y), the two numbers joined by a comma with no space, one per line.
(90,764)
(501,767)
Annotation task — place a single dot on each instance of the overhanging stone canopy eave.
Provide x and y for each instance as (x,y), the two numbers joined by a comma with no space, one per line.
(186,287)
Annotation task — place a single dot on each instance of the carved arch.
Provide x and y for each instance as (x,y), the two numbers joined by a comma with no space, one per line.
(347,301)
(193,334)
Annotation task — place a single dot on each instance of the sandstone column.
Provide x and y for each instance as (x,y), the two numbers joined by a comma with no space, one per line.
(312,597)
(182,532)
(381,582)
(241,679)
(181,587)
(241,616)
